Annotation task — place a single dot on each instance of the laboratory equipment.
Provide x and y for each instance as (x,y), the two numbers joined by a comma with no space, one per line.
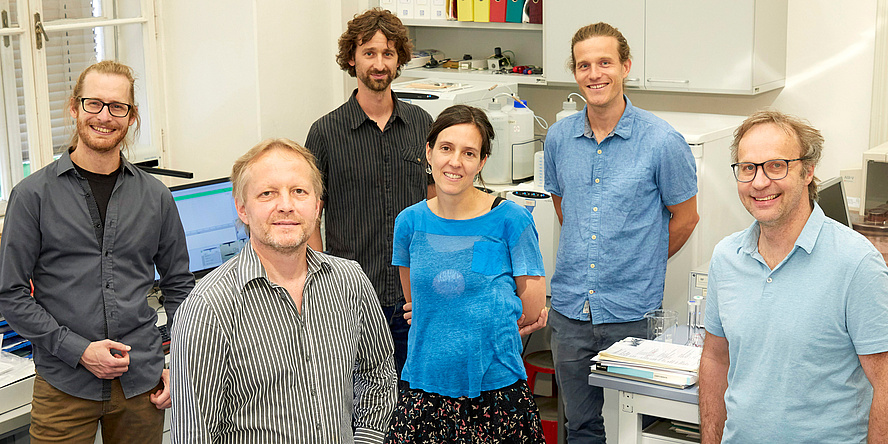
(545,220)
(441,94)
(498,168)
(661,325)
(833,201)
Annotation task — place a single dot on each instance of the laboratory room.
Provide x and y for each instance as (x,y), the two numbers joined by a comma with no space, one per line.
(563,221)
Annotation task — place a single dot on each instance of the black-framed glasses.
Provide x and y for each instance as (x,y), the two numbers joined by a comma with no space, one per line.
(95,106)
(774,169)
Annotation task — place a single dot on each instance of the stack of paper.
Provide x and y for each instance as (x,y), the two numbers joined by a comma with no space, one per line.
(650,361)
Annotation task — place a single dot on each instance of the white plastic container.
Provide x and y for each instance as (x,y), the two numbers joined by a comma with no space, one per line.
(521,121)
(568,108)
(539,167)
(498,169)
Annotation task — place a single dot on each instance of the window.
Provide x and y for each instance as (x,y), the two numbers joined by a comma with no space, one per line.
(38,74)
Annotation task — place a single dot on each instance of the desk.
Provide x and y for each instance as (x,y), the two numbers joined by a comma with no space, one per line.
(641,398)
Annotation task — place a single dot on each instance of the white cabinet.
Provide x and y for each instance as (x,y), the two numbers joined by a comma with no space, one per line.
(711,46)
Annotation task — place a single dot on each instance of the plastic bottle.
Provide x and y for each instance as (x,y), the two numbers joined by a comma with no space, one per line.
(498,169)
(521,120)
(539,166)
(568,108)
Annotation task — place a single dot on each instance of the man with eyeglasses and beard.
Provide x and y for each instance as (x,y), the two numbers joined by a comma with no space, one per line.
(89,230)
(796,322)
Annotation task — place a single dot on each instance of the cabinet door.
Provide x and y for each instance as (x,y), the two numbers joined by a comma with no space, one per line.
(562,19)
(699,45)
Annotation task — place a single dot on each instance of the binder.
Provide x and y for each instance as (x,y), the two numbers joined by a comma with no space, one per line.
(464,10)
(534,10)
(422,9)
(405,9)
(514,9)
(498,10)
(482,10)
(439,10)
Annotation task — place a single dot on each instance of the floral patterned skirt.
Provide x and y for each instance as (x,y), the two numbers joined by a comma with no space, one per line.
(507,415)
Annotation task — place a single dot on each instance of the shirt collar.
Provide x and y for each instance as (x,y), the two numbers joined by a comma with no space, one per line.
(65,164)
(357,116)
(623,128)
(806,240)
(249,267)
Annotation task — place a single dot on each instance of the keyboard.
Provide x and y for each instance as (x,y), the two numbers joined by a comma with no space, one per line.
(164,337)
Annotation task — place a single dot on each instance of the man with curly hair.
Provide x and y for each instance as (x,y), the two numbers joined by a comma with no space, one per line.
(371,153)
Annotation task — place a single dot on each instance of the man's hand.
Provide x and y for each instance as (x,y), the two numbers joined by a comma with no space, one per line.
(541,321)
(161,398)
(106,359)
(408,312)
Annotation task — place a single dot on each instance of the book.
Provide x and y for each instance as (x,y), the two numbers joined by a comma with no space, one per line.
(514,9)
(464,10)
(654,354)
(674,378)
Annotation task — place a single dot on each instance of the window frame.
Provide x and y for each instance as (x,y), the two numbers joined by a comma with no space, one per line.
(36,83)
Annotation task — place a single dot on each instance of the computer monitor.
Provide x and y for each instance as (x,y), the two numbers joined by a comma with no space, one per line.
(832,200)
(212,232)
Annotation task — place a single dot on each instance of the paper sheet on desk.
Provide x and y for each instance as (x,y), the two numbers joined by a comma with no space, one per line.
(16,368)
(654,353)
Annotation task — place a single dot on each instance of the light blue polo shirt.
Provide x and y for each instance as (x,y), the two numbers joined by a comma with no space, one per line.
(615,236)
(794,333)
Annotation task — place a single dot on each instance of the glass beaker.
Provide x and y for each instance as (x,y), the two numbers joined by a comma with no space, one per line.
(661,325)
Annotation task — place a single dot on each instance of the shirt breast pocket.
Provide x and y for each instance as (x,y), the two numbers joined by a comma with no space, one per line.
(490,258)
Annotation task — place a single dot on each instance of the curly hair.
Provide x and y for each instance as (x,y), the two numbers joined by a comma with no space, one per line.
(363,27)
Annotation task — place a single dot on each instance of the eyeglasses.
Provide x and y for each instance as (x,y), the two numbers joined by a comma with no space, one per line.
(775,169)
(95,106)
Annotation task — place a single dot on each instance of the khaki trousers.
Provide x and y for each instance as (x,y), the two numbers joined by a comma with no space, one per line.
(59,417)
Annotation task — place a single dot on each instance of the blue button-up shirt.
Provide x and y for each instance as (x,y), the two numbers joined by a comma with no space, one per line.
(84,292)
(611,262)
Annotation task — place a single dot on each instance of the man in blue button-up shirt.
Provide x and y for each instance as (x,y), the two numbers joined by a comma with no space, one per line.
(624,185)
(89,230)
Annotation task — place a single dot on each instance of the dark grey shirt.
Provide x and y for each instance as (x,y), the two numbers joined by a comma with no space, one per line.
(369,177)
(247,367)
(84,293)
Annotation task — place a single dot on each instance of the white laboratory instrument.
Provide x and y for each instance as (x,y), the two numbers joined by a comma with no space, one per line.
(719,207)
(541,207)
(435,95)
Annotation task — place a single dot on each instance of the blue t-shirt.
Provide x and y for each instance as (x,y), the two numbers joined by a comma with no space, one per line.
(794,333)
(615,236)
(464,336)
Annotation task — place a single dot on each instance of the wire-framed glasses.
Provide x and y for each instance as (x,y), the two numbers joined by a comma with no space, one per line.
(95,106)
(774,169)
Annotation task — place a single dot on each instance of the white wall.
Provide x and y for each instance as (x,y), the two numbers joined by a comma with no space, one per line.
(239,73)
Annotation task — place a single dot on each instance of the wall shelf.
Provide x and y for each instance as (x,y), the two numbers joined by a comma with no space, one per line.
(482,75)
(473,25)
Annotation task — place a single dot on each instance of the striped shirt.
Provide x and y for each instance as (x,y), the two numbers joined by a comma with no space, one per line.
(246,367)
(369,177)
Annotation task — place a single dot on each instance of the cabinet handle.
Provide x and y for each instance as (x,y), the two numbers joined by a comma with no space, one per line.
(633,79)
(668,81)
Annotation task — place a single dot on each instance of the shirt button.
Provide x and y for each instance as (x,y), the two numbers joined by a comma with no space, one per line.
(98,225)
(596,181)
(107,285)
(591,291)
(769,280)
(594,208)
(594,237)
(592,265)
(318,426)
(599,151)
(307,358)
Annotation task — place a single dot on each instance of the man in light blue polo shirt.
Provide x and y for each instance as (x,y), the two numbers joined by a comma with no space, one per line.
(797,309)
(624,185)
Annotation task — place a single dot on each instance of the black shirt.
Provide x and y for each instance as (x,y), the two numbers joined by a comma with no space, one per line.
(369,177)
(101,186)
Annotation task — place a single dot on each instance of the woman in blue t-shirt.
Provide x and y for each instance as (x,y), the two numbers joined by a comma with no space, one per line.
(471,266)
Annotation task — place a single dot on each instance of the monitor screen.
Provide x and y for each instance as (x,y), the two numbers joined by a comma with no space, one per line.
(212,233)
(831,198)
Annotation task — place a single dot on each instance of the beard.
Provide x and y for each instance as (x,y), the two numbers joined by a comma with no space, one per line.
(377,85)
(91,141)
